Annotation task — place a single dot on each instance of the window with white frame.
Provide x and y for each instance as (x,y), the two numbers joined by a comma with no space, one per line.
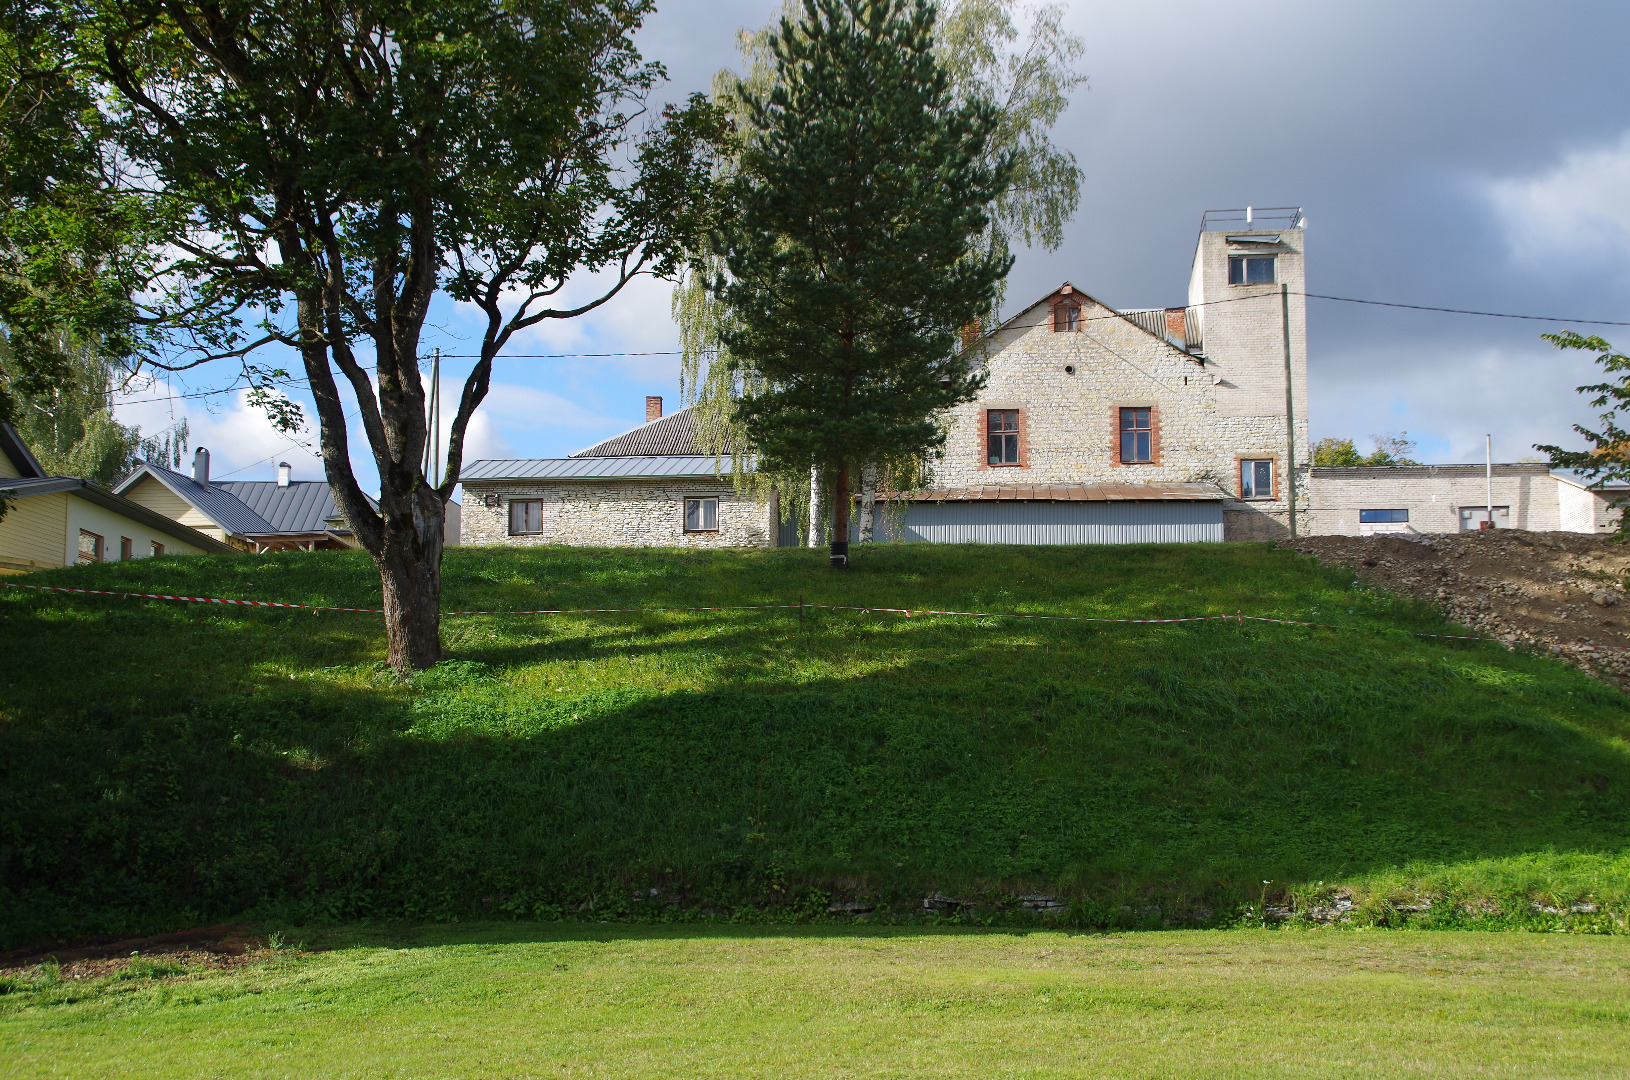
(1250,270)
(525,517)
(1256,478)
(702,515)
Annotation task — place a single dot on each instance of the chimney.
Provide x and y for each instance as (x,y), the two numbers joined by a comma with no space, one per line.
(285,473)
(200,466)
(1176,318)
(653,409)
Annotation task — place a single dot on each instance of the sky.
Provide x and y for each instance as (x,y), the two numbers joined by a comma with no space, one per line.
(1456,154)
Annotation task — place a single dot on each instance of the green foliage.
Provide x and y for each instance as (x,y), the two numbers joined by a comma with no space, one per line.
(979,46)
(1389,449)
(1608,459)
(70,427)
(174,765)
(850,241)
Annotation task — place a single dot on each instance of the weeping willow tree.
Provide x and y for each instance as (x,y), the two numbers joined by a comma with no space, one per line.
(1028,75)
(69,425)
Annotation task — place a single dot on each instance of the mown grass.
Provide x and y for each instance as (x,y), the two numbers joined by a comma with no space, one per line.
(168,764)
(519,1000)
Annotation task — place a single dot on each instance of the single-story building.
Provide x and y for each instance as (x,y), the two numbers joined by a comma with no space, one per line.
(57,521)
(645,488)
(1364,499)
(250,515)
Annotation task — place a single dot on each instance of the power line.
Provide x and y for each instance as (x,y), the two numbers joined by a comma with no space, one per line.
(1463,311)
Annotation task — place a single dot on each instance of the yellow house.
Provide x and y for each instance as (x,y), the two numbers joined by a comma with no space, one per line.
(60,520)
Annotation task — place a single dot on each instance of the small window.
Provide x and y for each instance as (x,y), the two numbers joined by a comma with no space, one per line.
(1066,317)
(1250,270)
(525,517)
(127,548)
(1137,435)
(701,515)
(158,549)
(90,547)
(1002,436)
(1256,479)
(1383,517)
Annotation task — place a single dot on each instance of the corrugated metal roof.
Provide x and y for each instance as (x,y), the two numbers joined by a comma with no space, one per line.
(214,502)
(1399,472)
(303,507)
(593,468)
(1185,492)
(1145,521)
(673,435)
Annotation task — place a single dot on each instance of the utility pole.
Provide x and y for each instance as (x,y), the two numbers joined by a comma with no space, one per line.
(432,443)
(1290,403)
(1488,475)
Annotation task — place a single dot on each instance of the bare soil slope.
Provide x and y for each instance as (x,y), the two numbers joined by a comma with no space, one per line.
(1562,592)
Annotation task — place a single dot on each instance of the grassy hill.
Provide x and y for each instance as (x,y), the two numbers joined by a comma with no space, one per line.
(165,764)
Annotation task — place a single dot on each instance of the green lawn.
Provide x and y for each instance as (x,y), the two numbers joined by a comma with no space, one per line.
(562,1000)
(164,765)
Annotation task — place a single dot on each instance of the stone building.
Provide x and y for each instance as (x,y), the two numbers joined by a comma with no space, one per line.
(647,487)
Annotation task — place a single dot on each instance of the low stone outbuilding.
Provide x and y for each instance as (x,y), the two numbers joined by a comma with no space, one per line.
(645,488)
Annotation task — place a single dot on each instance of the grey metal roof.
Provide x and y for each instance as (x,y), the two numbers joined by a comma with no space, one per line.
(1185,492)
(1402,472)
(672,435)
(214,502)
(49,485)
(303,507)
(593,468)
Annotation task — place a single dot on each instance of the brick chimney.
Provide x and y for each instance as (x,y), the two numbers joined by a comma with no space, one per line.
(653,409)
(1174,322)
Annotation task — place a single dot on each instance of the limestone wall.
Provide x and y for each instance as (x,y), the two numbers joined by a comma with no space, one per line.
(1433,495)
(615,513)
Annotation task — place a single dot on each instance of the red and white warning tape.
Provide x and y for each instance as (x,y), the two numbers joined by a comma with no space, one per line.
(1238,617)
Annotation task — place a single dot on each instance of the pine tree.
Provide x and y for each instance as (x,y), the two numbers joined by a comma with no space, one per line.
(852,246)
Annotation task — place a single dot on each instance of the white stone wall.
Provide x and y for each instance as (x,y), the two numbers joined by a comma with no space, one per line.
(1584,510)
(615,513)
(1243,326)
(1433,500)
(1069,422)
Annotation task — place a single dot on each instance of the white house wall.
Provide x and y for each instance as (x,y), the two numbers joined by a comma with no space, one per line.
(615,514)
(111,526)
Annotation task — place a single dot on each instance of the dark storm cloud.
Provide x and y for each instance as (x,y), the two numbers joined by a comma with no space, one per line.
(1459,154)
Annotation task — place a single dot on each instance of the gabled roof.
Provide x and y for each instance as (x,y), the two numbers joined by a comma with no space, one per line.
(254,508)
(671,435)
(222,507)
(1088,298)
(84,489)
(12,445)
(595,468)
(304,506)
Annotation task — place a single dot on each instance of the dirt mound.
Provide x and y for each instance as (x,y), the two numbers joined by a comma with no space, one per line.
(1561,592)
(226,945)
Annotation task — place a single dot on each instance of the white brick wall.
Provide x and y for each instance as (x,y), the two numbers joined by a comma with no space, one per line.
(1433,495)
(622,513)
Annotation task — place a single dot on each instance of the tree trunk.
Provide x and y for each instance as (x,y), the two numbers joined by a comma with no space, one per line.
(410,573)
(817,512)
(840,517)
(868,502)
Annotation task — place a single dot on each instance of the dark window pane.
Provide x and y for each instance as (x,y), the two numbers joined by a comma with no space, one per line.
(1259,271)
(1236,270)
(710,514)
(1264,480)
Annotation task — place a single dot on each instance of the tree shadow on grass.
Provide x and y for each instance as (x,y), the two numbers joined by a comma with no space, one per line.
(1182,766)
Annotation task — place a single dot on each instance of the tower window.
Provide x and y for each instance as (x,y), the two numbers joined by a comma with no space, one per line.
(1250,270)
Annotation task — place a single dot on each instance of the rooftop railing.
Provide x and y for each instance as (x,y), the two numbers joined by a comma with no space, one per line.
(1252,219)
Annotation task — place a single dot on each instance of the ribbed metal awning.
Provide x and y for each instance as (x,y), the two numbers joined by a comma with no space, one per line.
(1185,492)
(593,468)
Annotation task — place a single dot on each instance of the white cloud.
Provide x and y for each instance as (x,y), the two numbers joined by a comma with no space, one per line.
(1578,206)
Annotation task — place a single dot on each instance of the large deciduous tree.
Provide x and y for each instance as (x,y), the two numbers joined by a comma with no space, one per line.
(311,174)
(1608,459)
(852,242)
